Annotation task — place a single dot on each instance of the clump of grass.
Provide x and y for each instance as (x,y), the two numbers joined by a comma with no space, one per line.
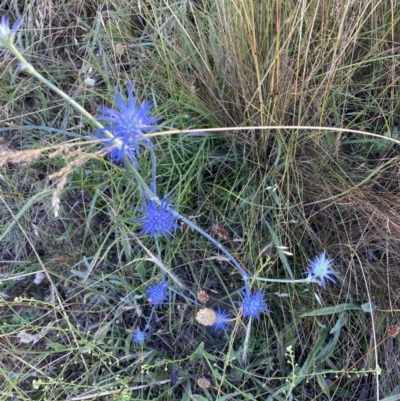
(277,192)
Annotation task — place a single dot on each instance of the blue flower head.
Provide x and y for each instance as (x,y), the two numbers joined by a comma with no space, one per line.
(320,269)
(7,34)
(127,127)
(139,337)
(223,319)
(157,293)
(157,219)
(253,304)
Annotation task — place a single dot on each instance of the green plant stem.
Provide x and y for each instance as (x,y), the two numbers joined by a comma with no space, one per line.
(31,70)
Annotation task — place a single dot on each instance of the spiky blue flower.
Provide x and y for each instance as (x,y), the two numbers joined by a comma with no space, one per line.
(139,337)
(7,34)
(127,127)
(320,269)
(157,218)
(222,321)
(157,293)
(253,304)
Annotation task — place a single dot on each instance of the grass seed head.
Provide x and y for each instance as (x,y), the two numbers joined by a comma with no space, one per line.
(394,330)
(203,383)
(221,232)
(202,297)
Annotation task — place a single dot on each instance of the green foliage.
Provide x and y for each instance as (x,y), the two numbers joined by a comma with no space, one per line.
(283,194)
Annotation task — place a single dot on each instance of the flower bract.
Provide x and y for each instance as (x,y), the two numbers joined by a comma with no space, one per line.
(320,269)
(7,34)
(223,320)
(127,126)
(157,293)
(253,304)
(157,218)
(139,337)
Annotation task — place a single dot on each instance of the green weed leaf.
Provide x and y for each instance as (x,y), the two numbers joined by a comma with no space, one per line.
(330,310)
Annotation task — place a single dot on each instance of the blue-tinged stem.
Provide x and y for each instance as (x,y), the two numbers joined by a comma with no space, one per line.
(149,319)
(153,185)
(192,301)
(159,257)
(245,275)
(288,281)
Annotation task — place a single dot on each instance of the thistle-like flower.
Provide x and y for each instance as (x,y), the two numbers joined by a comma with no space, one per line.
(139,337)
(127,127)
(320,270)
(253,304)
(157,219)
(7,34)
(157,293)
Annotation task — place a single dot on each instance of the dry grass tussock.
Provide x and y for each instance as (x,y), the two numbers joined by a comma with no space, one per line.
(320,56)
(355,213)
(327,64)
